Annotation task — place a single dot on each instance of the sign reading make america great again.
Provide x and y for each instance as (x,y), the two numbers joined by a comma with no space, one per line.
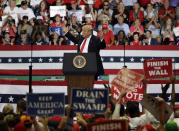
(158,68)
(87,100)
(48,104)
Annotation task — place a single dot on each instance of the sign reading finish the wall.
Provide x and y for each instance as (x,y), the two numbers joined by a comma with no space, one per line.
(157,68)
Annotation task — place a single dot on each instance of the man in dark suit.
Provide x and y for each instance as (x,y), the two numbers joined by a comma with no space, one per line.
(88,43)
(149,40)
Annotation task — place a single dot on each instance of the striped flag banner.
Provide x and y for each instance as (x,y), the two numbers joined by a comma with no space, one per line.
(48,60)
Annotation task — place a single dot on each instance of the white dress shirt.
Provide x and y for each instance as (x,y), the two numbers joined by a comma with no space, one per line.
(85,50)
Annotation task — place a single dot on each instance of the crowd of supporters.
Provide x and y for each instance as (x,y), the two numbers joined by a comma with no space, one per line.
(129,22)
(11,120)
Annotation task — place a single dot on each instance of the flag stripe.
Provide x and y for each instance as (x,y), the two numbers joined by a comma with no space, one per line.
(60,72)
(70,47)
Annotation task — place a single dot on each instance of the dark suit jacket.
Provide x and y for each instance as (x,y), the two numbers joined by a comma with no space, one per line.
(95,45)
(153,41)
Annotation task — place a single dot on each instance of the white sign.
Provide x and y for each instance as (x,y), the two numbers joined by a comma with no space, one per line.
(90,2)
(61,10)
(79,14)
(0,24)
(176,31)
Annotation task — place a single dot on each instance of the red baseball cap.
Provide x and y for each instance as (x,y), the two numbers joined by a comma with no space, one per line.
(58,15)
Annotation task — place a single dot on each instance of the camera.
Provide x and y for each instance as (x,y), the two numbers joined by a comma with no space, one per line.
(11,22)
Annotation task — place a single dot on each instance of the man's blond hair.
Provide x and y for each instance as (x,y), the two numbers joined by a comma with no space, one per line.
(87,27)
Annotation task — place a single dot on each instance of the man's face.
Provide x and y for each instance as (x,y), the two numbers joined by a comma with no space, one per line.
(120,20)
(148,35)
(106,5)
(24,6)
(23,36)
(57,19)
(86,33)
(166,3)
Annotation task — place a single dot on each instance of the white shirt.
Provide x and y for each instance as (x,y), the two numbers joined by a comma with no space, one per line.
(28,12)
(14,13)
(85,50)
(124,27)
(155,31)
(141,120)
(151,14)
(35,2)
(129,2)
(149,41)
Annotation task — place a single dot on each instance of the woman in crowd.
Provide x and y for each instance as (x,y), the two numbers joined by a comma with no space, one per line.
(105,20)
(136,40)
(151,20)
(74,24)
(136,13)
(167,32)
(121,38)
(137,27)
(40,28)
(150,12)
(9,25)
(89,9)
(120,12)
(55,39)
(25,26)
(43,11)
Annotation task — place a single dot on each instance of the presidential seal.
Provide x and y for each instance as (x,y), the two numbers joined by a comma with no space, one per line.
(79,61)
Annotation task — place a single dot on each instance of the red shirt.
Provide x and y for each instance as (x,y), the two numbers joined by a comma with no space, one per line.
(163,10)
(140,16)
(82,3)
(144,3)
(50,1)
(107,37)
(97,4)
(134,43)
(1,14)
(56,25)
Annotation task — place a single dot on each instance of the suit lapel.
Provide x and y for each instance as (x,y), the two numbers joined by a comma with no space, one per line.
(90,43)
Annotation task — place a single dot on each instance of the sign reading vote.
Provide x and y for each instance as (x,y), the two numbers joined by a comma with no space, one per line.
(87,100)
(48,104)
(109,125)
(158,68)
(135,95)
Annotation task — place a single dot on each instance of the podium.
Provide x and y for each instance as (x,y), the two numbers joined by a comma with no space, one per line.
(79,70)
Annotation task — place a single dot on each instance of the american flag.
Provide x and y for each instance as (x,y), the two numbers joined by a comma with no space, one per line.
(48,60)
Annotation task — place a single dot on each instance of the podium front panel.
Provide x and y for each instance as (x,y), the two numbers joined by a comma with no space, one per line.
(79,64)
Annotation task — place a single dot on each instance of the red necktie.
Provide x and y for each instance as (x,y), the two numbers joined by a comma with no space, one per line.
(83,45)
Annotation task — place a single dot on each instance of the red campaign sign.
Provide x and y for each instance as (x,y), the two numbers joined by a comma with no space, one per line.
(109,125)
(126,79)
(158,68)
(134,95)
